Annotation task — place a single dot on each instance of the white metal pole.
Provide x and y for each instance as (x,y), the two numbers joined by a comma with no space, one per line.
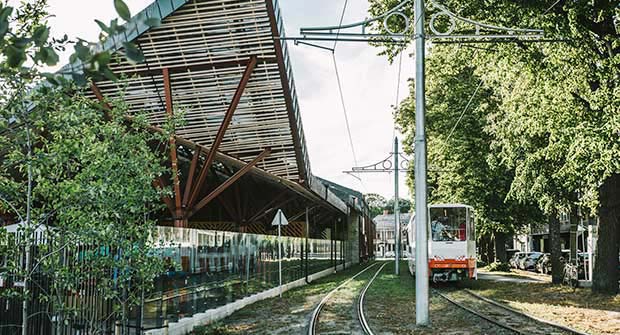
(591,245)
(396,210)
(280,253)
(421,260)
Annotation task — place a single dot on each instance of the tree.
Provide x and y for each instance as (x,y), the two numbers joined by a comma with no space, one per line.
(63,167)
(403,204)
(376,203)
(556,123)
(462,168)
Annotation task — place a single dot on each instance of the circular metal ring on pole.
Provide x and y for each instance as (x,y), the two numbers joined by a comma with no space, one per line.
(387,28)
(450,29)
(387,165)
(404,165)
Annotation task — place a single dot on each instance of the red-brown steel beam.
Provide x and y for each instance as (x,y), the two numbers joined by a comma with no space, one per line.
(223,127)
(178,222)
(106,106)
(190,176)
(227,183)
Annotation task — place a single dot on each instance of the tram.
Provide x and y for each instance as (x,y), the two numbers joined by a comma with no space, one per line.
(451,242)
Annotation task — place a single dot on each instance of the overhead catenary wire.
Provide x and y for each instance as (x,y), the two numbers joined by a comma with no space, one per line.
(339,81)
(344,10)
(551,7)
(344,108)
(471,98)
(341,93)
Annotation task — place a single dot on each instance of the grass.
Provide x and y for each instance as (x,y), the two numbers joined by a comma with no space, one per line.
(578,308)
(390,309)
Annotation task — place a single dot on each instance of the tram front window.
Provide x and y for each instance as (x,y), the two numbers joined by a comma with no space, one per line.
(449,224)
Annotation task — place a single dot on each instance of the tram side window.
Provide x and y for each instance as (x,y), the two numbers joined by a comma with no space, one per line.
(449,224)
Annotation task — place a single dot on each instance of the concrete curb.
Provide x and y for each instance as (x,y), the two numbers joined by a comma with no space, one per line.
(186,325)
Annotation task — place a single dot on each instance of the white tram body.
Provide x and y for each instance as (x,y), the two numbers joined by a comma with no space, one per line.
(451,242)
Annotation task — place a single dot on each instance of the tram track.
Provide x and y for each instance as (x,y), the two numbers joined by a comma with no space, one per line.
(503,316)
(359,302)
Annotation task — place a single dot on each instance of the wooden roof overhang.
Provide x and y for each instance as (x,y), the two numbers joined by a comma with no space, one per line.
(209,55)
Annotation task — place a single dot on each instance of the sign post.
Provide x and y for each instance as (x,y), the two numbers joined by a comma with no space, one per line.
(279,220)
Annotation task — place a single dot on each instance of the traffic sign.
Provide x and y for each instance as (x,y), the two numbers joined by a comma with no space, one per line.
(279,219)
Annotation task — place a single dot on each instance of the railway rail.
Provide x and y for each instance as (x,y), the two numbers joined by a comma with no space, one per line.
(314,320)
(503,316)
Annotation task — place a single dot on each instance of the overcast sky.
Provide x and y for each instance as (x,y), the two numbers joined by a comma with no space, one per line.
(369,84)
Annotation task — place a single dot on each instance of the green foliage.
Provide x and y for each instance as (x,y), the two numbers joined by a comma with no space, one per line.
(82,175)
(403,204)
(545,123)
(377,204)
(211,329)
(25,39)
(498,267)
(92,188)
(122,9)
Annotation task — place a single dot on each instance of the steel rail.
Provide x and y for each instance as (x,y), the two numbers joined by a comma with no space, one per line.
(314,320)
(510,310)
(531,317)
(480,315)
(360,305)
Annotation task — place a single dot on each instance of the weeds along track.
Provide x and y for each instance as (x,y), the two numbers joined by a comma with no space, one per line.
(344,291)
(501,315)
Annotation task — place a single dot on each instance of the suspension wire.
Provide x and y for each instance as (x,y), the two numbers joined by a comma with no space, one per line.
(344,108)
(341,93)
(344,9)
(551,7)
(471,98)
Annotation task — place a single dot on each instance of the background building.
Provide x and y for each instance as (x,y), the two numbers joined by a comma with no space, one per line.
(384,238)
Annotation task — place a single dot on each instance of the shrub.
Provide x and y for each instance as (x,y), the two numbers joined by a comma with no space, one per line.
(498,266)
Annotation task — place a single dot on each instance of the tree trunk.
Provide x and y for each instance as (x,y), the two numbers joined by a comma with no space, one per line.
(500,247)
(557,269)
(491,248)
(484,249)
(605,277)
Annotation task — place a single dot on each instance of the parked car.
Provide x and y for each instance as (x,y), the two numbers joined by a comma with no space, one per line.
(390,254)
(529,262)
(514,260)
(521,260)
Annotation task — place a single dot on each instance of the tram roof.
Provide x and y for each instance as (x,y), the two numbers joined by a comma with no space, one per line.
(206,47)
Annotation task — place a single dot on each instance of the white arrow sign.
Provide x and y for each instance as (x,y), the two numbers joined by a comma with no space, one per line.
(280,219)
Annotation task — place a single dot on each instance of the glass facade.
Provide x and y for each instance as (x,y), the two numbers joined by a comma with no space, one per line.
(208,269)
